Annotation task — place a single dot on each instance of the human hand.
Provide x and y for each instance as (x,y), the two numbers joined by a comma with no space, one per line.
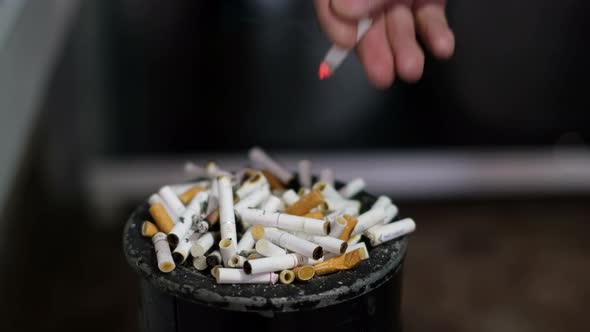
(389,47)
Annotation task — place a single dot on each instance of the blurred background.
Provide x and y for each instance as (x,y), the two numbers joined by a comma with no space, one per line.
(102,102)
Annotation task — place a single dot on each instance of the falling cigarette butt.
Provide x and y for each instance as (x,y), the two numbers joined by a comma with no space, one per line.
(343,262)
(161,217)
(148,229)
(188,195)
(336,54)
(304,273)
(286,277)
(305,203)
(350,225)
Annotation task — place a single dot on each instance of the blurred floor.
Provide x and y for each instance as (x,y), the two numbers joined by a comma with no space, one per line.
(472,266)
(499,266)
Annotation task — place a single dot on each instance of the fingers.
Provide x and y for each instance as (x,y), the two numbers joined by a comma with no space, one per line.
(340,31)
(357,9)
(409,58)
(376,55)
(433,28)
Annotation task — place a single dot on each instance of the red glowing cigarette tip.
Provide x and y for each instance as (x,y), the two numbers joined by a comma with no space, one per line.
(324,71)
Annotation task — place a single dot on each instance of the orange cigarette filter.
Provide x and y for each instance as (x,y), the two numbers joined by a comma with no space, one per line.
(305,203)
(188,195)
(273,181)
(161,217)
(304,273)
(315,215)
(350,224)
(342,262)
(148,229)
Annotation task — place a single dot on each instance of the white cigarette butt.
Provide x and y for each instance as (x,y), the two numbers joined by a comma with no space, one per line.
(368,219)
(202,245)
(227,219)
(304,170)
(272,264)
(172,200)
(352,188)
(327,176)
(183,248)
(264,161)
(290,197)
(285,221)
(328,243)
(200,263)
(238,276)
(363,247)
(391,231)
(227,249)
(293,243)
(237,261)
(272,204)
(256,182)
(253,199)
(163,254)
(246,242)
(269,249)
(337,227)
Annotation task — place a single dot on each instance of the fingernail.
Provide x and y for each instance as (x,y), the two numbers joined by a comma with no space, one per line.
(351,8)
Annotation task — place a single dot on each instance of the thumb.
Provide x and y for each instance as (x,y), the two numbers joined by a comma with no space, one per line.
(356,9)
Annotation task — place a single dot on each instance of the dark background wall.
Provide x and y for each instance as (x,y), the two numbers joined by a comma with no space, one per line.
(237,73)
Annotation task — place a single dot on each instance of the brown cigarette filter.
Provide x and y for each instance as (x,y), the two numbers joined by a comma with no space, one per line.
(350,224)
(161,218)
(305,203)
(273,181)
(148,229)
(304,273)
(342,262)
(188,195)
(315,215)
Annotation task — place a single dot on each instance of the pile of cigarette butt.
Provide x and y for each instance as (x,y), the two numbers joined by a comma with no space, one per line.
(290,228)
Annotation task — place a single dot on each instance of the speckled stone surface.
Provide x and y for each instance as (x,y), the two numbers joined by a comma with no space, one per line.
(200,287)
